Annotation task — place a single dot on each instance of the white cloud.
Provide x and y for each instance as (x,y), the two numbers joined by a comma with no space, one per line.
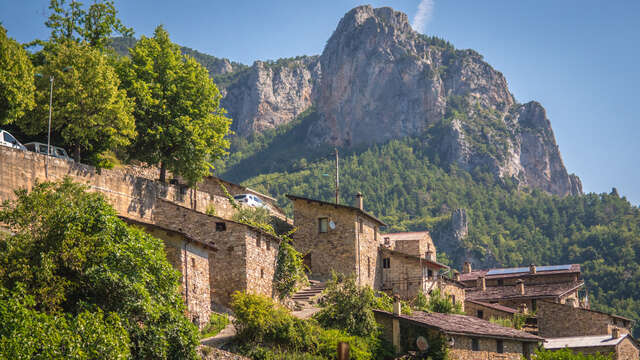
(422,17)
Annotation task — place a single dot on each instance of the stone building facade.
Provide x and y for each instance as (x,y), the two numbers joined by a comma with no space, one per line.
(407,275)
(338,238)
(467,338)
(558,320)
(488,311)
(214,262)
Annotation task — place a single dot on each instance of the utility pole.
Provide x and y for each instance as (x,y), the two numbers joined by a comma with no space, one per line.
(337,179)
(46,166)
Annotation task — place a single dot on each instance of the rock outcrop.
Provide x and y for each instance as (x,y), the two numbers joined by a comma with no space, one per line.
(377,79)
(270,94)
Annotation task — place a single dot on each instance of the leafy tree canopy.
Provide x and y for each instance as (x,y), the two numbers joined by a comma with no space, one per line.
(91,114)
(16,80)
(180,123)
(95,25)
(76,259)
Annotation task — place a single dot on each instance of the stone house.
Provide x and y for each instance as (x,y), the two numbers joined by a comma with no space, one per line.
(488,311)
(618,346)
(336,237)
(561,320)
(521,296)
(531,275)
(466,337)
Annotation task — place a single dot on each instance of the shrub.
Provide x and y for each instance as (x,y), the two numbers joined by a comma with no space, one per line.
(437,302)
(566,354)
(348,307)
(72,254)
(290,270)
(217,322)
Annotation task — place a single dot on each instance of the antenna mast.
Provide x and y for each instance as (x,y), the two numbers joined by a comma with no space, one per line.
(337,179)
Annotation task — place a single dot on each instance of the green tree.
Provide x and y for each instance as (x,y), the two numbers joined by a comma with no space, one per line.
(348,307)
(91,114)
(71,254)
(437,302)
(180,123)
(95,25)
(16,80)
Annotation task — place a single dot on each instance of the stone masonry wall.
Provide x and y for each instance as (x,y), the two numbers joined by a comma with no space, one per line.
(192,261)
(238,265)
(333,250)
(627,350)
(472,308)
(513,350)
(370,262)
(454,291)
(558,320)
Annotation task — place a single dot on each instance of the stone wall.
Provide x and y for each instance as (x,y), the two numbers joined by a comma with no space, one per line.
(370,264)
(333,250)
(627,350)
(262,254)
(405,276)
(454,290)
(471,309)
(192,261)
(513,350)
(558,320)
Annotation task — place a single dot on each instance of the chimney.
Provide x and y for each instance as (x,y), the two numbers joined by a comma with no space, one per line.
(456,275)
(466,268)
(359,204)
(615,333)
(430,254)
(520,286)
(482,283)
(397,306)
(532,269)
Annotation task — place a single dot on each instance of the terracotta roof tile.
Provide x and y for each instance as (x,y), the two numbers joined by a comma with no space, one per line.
(530,291)
(465,325)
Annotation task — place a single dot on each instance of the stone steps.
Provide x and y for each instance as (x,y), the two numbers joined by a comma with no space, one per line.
(306,297)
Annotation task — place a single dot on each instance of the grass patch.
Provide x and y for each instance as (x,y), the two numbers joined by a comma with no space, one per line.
(217,322)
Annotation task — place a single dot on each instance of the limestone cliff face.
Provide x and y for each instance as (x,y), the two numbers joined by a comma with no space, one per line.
(377,79)
(270,94)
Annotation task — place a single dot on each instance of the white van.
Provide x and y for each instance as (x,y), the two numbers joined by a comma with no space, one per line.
(8,140)
(41,148)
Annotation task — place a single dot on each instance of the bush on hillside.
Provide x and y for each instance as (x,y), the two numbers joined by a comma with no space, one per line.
(71,254)
(566,354)
(437,302)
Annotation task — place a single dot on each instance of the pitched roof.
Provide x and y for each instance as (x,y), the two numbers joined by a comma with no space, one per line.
(414,235)
(494,306)
(414,257)
(464,325)
(583,341)
(358,210)
(524,272)
(530,291)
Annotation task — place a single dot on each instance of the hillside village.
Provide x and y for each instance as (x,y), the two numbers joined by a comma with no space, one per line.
(218,256)
(194,216)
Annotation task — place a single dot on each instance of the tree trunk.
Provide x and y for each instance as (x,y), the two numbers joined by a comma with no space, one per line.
(163,172)
(76,156)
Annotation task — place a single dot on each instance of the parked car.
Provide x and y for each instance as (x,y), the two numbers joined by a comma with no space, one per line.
(41,148)
(8,140)
(251,200)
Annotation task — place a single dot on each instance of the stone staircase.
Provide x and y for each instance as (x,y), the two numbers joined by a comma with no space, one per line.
(308,296)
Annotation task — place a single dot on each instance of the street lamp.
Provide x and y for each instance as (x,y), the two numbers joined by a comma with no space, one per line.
(51,78)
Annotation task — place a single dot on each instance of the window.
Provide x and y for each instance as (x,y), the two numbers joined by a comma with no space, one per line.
(480,314)
(386,263)
(453,299)
(368,266)
(261,273)
(258,240)
(360,225)
(323,225)
(534,305)
(429,273)
(10,139)
(500,347)
(474,345)
(375,234)
(193,262)
(268,244)
(220,226)
(500,282)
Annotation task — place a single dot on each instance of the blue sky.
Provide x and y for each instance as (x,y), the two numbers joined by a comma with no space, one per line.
(578,58)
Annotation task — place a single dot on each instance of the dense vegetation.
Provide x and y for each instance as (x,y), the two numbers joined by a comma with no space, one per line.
(411,188)
(77,282)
